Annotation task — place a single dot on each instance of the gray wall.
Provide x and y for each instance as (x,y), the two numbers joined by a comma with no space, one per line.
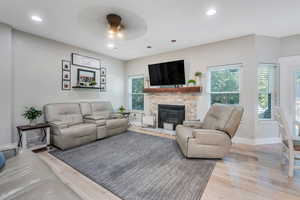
(290,46)
(6,83)
(239,50)
(36,78)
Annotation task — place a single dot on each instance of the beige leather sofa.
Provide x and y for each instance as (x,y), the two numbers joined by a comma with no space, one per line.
(212,138)
(101,114)
(74,124)
(26,177)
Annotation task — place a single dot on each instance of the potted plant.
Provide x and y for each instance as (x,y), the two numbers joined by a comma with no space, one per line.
(198,76)
(191,82)
(122,109)
(32,114)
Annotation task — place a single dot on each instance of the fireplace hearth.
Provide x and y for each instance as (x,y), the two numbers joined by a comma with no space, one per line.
(172,114)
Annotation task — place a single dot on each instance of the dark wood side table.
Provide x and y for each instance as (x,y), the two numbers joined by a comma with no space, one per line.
(45,130)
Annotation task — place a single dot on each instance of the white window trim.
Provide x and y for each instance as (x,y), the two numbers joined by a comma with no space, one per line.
(272,100)
(130,93)
(225,67)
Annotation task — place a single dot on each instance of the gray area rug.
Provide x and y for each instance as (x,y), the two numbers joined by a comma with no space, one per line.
(137,166)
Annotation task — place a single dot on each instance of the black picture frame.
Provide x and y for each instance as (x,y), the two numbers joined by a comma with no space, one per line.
(102,79)
(64,78)
(84,70)
(66,65)
(64,82)
(86,66)
(103,87)
(102,71)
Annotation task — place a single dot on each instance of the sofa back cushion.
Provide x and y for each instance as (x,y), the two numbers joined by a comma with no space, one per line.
(66,112)
(103,108)
(225,118)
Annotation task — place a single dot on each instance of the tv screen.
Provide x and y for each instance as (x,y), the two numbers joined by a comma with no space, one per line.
(169,73)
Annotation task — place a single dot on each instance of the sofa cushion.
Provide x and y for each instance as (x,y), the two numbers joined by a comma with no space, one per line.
(28,177)
(99,122)
(79,130)
(116,123)
(224,118)
(2,161)
(101,107)
(66,112)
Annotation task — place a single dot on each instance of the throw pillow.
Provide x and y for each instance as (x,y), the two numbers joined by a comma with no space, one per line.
(2,160)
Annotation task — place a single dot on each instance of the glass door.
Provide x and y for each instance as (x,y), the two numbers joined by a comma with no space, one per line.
(297,103)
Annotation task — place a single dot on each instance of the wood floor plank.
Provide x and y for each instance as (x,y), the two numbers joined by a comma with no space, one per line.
(247,173)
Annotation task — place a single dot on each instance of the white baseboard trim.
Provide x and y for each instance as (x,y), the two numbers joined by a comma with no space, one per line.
(240,140)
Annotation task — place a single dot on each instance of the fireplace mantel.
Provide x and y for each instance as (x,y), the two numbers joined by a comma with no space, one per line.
(195,89)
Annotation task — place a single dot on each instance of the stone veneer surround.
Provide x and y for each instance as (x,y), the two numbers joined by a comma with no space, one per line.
(190,100)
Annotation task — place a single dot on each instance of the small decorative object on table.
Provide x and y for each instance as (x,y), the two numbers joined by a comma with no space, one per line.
(122,109)
(32,114)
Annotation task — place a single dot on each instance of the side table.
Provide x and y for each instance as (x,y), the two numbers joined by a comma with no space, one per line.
(45,130)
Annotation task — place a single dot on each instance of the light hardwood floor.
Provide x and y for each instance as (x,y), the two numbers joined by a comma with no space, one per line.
(247,173)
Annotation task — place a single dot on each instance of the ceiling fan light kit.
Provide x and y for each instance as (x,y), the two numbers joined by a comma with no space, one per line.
(115,26)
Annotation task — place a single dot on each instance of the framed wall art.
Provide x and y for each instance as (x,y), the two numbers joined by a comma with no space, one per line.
(85,61)
(85,77)
(66,75)
(66,85)
(66,65)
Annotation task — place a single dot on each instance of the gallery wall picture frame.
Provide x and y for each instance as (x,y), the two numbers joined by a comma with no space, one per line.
(66,65)
(85,61)
(102,79)
(66,85)
(103,87)
(66,75)
(85,76)
(102,71)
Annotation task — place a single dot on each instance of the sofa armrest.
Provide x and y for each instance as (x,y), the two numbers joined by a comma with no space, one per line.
(211,137)
(59,124)
(193,123)
(7,149)
(116,116)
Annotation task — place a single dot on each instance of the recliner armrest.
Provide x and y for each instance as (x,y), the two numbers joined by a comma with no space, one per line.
(211,137)
(193,123)
(116,116)
(59,124)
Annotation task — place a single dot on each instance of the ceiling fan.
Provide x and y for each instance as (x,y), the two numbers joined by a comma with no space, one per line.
(115,26)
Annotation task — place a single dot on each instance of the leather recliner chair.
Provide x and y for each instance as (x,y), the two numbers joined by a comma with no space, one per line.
(212,137)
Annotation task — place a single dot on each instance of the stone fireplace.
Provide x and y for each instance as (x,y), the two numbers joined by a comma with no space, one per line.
(188,100)
(173,114)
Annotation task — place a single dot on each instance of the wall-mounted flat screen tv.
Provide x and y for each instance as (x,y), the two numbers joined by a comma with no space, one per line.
(168,73)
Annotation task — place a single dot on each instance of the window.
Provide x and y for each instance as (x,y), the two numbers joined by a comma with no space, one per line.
(136,93)
(267,90)
(224,84)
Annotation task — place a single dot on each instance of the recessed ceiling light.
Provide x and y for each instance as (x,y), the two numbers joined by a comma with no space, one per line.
(211,12)
(149,47)
(36,18)
(173,41)
(110,45)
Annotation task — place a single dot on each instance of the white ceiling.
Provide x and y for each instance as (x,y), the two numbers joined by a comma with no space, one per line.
(151,22)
